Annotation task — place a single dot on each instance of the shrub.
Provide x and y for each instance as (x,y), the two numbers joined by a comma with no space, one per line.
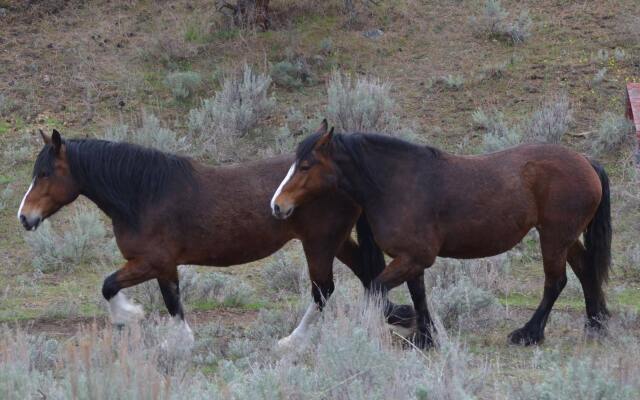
(365,105)
(589,381)
(197,287)
(5,198)
(169,49)
(451,82)
(599,76)
(498,134)
(292,75)
(284,274)
(613,132)
(326,46)
(81,243)
(551,121)
(230,114)
(494,22)
(183,84)
(460,302)
(150,134)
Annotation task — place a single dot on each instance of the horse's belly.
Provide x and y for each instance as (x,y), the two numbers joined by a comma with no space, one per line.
(473,241)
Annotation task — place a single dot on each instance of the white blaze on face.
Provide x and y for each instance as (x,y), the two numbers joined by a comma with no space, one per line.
(25,198)
(284,182)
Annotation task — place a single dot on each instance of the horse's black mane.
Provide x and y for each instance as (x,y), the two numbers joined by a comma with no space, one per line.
(360,148)
(121,178)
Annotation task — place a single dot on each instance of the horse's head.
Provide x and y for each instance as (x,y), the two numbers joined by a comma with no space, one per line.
(313,173)
(52,184)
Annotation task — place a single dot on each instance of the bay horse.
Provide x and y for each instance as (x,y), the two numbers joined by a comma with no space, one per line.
(168,210)
(422,203)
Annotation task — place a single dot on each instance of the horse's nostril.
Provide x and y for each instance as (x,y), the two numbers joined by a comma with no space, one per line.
(276,209)
(23,219)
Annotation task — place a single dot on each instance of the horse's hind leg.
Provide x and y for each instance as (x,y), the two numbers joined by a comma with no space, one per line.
(122,310)
(398,315)
(424,325)
(593,295)
(554,259)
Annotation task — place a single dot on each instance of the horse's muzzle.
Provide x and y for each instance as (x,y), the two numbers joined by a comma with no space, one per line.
(30,223)
(280,213)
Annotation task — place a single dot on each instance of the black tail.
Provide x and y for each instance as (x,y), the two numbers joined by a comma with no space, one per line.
(371,257)
(371,265)
(597,238)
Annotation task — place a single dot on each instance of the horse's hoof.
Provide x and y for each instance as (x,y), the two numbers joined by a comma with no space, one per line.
(423,342)
(124,312)
(289,344)
(525,337)
(595,330)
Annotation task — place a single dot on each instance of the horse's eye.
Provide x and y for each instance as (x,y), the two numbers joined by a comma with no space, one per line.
(43,175)
(305,167)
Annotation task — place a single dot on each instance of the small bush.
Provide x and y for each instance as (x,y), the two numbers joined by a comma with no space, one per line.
(5,198)
(197,287)
(169,49)
(81,243)
(326,46)
(458,303)
(451,82)
(291,75)
(498,135)
(494,22)
(614,131)
(589,381)
(284,274)
(599,76)
(183,84)
(150,134)
(230,114)
(365,105)
(551,121)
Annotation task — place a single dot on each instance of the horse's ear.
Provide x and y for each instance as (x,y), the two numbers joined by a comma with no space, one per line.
(56,141)
(325,139)
(323,127)
(46,139)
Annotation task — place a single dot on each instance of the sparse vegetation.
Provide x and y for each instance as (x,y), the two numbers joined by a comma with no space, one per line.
(551,121)
(498,135)
(230,114)
(183,84)
(599,76)
(81,243)
(495,22)
(150,134)
(613,132)
(361,105)
(290,75)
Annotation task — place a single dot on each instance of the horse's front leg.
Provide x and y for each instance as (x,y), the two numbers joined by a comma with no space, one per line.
(170,289)
(123,311)
(320,265)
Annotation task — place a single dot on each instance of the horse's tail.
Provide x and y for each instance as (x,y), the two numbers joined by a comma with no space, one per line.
(371,257)
(597,238)
(372,263)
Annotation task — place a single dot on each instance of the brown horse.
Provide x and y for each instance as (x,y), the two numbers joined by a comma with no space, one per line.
(423,203)
(168,210)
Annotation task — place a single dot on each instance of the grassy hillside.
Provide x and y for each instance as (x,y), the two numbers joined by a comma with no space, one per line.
(135,70)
